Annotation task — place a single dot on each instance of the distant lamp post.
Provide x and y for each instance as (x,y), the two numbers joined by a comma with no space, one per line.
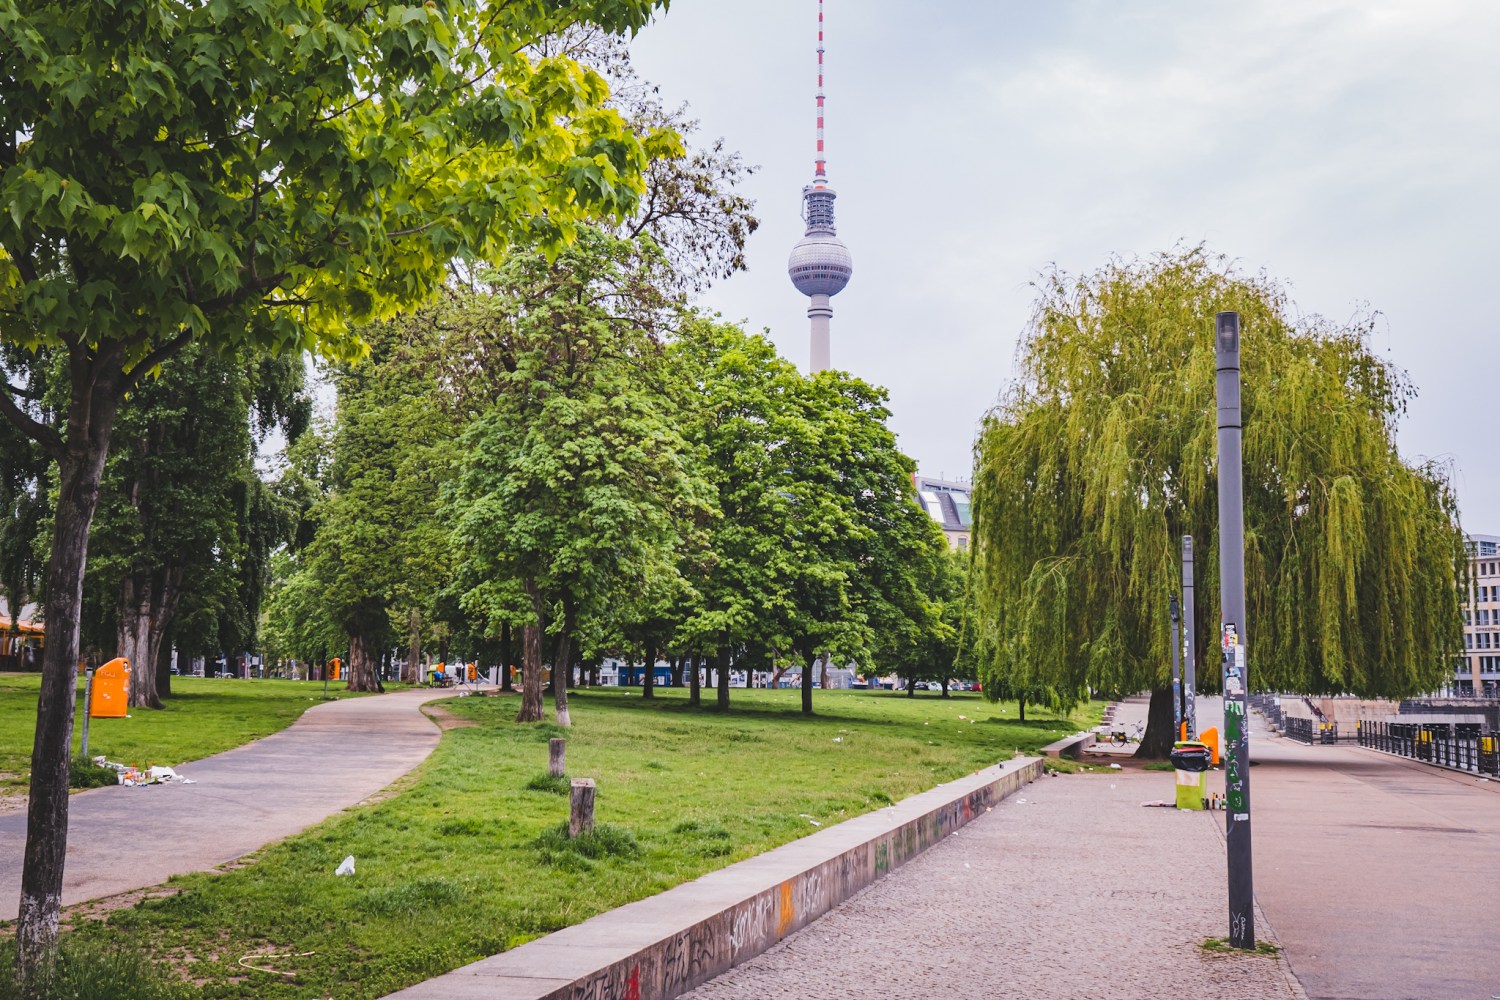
(1176,673)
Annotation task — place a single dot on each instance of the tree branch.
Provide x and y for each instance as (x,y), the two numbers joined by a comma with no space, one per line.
(24,422)
(129,380)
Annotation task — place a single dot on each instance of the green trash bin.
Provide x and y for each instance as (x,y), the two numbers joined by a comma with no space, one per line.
(1190,760)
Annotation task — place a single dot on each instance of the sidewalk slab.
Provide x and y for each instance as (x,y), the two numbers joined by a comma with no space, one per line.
(665,945)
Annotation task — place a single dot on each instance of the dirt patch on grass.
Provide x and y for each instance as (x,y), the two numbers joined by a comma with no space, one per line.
(99,909)
(445,719)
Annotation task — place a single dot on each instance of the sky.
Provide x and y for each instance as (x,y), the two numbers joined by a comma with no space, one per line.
(1348,148)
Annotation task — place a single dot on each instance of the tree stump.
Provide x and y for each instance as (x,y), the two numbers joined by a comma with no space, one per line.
(557,753)
(581,811)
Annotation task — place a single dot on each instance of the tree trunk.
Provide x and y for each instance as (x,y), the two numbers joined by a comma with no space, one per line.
(808,659)
(91,415)
(823,681)
(414,648)
(563,664)
(164,667)
(945,687)
(721,678)
(362,666)
(506,655)
(1022,703)
(531,674)
(134,639)
(148,602)
(911,687)
(695,683)
(676,662)
(648,683)
(1156,742)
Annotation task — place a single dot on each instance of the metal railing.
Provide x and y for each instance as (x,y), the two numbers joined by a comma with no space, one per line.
(1440,744)
(1266,705)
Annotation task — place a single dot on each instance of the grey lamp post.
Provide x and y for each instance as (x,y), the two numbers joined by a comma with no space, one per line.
(1233,633)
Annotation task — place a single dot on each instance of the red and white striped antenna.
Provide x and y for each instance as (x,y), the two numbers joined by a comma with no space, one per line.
(821,173)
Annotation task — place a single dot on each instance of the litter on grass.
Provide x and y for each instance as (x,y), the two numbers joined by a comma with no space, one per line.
(346,867)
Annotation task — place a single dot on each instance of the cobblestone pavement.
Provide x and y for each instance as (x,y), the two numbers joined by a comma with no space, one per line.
(1068,889)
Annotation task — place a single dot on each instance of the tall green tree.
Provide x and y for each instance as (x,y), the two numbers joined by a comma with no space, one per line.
(25,485)
(575,480)
(925,644)
(1103,453)
(747,400)
(380,548)
(261,175)
(183,513)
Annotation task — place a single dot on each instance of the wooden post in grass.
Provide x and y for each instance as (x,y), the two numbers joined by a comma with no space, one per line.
(581,811)
(557,753)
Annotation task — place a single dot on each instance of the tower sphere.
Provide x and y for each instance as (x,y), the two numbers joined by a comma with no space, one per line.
(820,264)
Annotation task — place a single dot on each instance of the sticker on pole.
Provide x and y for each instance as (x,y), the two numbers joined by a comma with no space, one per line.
(1231,636)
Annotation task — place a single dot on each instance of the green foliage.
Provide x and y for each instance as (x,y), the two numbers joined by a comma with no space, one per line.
(556,784)
(1102,455)
(185,526)
(86,774)
(270,173)
(25,485)
(604,841)
(574,480)
(380,545)
(93,970)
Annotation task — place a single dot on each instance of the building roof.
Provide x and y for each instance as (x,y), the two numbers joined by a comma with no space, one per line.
(947,503)
(28,621)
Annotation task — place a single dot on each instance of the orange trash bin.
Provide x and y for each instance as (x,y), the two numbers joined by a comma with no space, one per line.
(110,696)
(1210,737)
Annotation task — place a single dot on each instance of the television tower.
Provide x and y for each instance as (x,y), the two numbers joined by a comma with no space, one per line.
(820,265)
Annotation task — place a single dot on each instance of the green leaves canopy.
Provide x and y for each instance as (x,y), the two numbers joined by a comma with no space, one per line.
(273,171)
(1102,454)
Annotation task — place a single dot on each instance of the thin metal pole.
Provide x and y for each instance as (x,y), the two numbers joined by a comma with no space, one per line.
(1176,675)
(1190,660)
(1233,633)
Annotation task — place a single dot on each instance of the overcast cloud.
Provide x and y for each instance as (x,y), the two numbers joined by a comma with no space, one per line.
(1350,149)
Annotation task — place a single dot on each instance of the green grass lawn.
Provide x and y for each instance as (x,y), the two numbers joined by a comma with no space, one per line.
(204,716)
(459,863)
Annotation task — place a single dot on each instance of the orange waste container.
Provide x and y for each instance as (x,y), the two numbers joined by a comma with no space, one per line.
(110,697)
(335,669)
(1210,737)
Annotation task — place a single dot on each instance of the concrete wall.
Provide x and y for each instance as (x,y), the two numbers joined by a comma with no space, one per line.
(663,946)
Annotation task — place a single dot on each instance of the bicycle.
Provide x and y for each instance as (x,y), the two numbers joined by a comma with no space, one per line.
(1121,737)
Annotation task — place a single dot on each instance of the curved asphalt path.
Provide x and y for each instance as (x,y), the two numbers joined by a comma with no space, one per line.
(336,755)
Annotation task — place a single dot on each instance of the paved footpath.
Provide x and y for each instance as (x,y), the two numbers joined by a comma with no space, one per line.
(1376,875)
(1068,889)
(1380,874)
(334,756)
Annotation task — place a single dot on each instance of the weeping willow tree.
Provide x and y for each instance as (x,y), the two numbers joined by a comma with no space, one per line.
(1102,454)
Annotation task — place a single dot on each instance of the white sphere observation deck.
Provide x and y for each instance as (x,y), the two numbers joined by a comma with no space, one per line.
(820,265)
